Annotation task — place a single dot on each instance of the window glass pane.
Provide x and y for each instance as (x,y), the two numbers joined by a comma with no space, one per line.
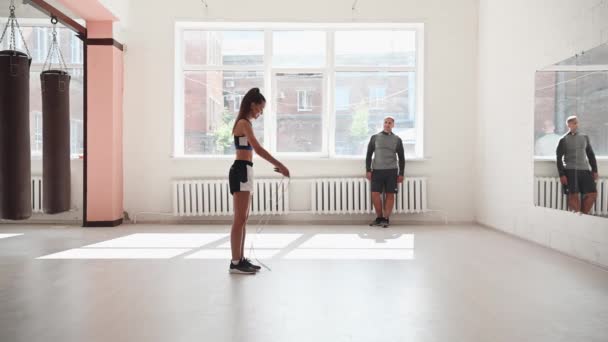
(212,100)
(224,47)
(300,49)
(371,96)
(375,48)
(299,112)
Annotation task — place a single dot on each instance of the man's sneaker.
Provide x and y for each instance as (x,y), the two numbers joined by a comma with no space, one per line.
(377,222)
(241,268)
(385,223)
(248,263)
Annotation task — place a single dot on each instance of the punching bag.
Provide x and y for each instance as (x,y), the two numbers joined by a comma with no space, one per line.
(56,171)
(15,159)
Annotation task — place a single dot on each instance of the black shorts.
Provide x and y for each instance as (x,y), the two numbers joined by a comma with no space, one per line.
(580,181)
(385,181)
(240,176)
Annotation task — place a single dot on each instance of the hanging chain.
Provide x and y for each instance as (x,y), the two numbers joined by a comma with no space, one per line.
(54,49)
(12,17)
(48,56)
(22,38)
(13,23)
(13,45)
(12,12)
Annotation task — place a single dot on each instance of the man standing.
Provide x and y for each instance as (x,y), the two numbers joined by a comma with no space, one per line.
(575,158)
(384,173)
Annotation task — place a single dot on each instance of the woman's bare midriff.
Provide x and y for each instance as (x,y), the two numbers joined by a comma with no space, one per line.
(244,155)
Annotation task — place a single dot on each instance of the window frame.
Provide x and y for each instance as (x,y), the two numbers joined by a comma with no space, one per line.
(269,75)
(37,136)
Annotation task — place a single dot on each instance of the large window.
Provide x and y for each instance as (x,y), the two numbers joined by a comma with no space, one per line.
(38,38)
(328,87)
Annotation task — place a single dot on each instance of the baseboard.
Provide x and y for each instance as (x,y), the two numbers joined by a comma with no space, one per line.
(103,224)
(298,219)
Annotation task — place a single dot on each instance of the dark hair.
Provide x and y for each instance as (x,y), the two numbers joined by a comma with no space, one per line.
(252,96)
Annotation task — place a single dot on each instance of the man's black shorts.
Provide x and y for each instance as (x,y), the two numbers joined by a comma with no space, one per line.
(580,181)
(385,181)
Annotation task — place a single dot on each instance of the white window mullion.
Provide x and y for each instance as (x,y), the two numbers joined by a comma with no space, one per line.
(375,69)
(45,45)
(270,117)
(179,110)
(73,49)
(419,89)
(39,49)
(37,145)
(226,68)
(298,70)
(324,115)
(329,117)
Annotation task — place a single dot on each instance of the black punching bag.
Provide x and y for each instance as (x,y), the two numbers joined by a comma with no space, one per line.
(15,159)
(56,141)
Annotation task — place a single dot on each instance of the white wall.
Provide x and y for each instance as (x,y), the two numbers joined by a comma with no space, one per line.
(516,38)
(451,30)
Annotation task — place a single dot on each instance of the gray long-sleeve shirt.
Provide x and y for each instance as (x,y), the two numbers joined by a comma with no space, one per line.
(574,152)
(385,147)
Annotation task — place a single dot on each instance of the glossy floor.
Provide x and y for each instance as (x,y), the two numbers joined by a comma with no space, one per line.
(328,283)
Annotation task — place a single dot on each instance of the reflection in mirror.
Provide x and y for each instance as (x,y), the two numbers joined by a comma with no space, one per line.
(571,134)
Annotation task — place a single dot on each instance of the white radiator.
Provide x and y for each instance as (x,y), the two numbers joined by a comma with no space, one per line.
(601,203)
(212,198)
(37,194)
(353,196)
(548,194)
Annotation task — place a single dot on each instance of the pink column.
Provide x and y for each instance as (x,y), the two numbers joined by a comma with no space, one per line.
(103,121)
(104,167)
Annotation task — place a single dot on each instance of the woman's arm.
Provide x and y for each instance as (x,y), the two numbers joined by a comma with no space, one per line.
(261,151)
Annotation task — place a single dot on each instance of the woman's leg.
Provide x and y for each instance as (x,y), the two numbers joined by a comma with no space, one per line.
(245,230)
(237,234)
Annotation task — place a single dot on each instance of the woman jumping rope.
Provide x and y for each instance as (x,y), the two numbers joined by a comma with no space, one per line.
(241,176)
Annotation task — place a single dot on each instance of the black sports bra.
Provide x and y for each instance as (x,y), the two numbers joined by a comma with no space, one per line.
(241,142)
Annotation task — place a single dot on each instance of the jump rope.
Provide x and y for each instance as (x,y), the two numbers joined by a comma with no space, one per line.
(263,222)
